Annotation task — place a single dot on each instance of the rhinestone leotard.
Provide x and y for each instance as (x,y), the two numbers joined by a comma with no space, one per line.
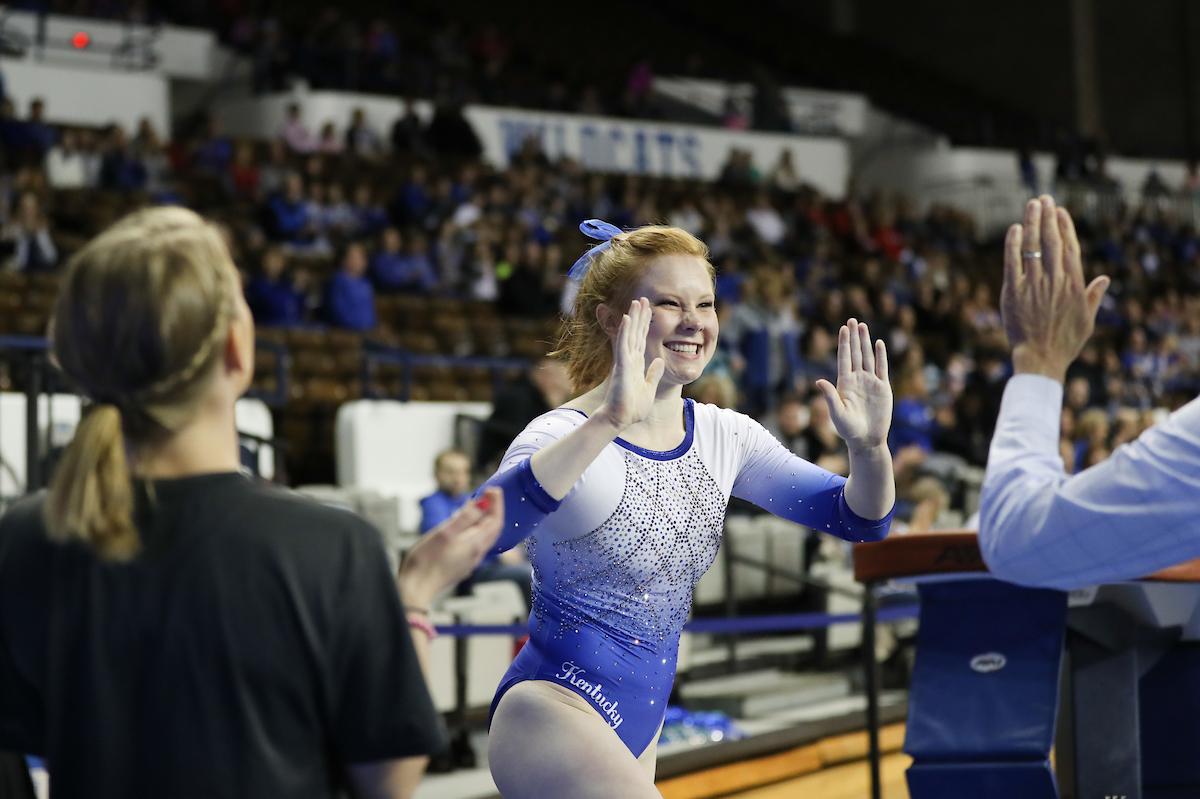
(616,561)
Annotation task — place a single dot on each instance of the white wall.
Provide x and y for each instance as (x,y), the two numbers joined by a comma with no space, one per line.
(985,181)
(810,110)
(84,96)
(182,52)
(601,143)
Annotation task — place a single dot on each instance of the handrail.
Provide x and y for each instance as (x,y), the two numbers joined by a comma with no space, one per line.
(24,343)
(279,396)
(274,399)
(375,353)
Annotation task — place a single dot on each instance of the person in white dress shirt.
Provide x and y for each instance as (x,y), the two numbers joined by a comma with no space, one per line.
(1127,517)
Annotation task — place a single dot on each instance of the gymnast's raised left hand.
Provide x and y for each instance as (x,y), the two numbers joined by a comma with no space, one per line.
(860,406)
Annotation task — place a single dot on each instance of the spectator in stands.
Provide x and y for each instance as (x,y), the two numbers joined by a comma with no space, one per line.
(1191,183)
(27,236)
(120,169)
(339,216)
(818,358)
(687,217)
(213,152)
(41,134)
(524,289)
(369,216)
(913,418)
(244,174)
(408,133)
(65,166)
(784,176)
(287,213)
(272,175)
(329,141)
(295,133)
(350,302)
(739,170)
(764,327)
(93,160)
(12,130)
(148,150)
(450,134)
(361,139)
(789,423)
(766,221)
(275,299)
(480,272)
(733,117)
(397,269)
(714,388)
(825,447)
(24,141)
(452,470)
(543,386)
(412,202)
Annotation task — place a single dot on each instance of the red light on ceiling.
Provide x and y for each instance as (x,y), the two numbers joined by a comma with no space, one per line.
(80,40)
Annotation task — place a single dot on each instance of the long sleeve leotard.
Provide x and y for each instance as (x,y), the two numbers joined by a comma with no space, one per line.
(616,560)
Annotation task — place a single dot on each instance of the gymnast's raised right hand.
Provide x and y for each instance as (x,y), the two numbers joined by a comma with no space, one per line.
(632,386)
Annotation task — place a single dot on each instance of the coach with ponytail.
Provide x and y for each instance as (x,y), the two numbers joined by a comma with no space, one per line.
(170,628)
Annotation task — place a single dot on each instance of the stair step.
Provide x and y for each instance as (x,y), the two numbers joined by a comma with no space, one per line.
(752,648)
(790,717)
(757,693)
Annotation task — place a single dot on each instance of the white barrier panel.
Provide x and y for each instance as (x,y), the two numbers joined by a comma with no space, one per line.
(254,417)
(181,52)
(604,144)
(262,117)
(83,96)
(390,446)
(810,110)
(57,423)
(987,181)
(57,420)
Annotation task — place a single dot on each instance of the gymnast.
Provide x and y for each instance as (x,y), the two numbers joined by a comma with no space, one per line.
(620,496)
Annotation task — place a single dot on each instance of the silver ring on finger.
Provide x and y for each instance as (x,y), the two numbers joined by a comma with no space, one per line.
(1035,254)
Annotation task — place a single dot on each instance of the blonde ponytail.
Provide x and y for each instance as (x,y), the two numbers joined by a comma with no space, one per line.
(91,496)
(138,326)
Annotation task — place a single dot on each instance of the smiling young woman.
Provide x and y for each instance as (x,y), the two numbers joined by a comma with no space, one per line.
(620,495)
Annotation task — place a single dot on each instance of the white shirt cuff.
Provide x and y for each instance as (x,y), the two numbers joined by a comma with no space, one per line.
(1034,403)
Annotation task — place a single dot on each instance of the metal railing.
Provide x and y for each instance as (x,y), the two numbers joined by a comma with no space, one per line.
(376,354)
(42,378)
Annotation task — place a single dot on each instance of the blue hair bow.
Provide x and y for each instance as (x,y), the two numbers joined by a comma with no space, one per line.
(594,229)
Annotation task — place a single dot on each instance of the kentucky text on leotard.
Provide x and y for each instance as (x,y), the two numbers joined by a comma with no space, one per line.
(615,562)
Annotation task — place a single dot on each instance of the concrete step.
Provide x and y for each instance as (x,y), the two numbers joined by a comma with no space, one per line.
(758,693)
(785,718)
(752,648)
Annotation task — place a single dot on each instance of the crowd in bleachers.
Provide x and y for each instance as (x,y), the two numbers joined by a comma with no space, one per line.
(436,252)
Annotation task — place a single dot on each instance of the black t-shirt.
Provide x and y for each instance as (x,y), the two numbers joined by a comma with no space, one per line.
(254,647)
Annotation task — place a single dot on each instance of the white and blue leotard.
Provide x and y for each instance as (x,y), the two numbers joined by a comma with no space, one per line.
(615,561)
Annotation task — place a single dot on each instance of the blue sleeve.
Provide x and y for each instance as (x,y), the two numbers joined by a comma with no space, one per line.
(340,311)
(779,482)
(526,503)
